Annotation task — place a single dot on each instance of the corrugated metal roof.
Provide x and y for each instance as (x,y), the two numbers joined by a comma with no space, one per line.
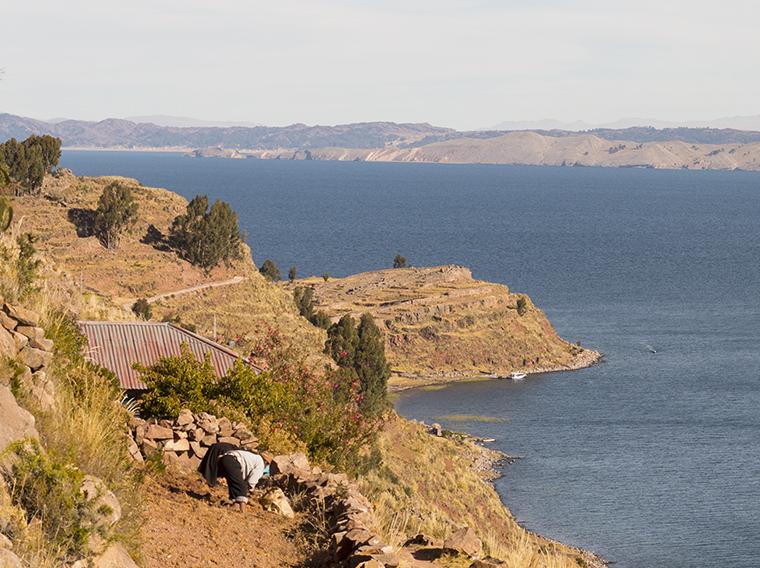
(118,345)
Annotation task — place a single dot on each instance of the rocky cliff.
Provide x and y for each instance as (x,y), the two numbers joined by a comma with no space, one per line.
(441,323)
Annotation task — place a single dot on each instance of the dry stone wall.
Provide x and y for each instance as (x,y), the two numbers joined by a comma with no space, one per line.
(23,342)
(183,442)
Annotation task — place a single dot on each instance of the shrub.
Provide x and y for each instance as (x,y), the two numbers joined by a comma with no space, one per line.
(50,491)
(321,319)
(27,162)
(270,271)
(522,306)
(292,273)
(325,277)
(142,309)
(290,401)
(399,261)
(362,351)
(116,212)
(206,237)
(304,299)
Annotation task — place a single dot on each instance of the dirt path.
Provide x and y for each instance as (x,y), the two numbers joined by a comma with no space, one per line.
(187,527)
(183,291)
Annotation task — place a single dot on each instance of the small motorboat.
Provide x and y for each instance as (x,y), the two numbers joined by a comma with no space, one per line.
(517,376)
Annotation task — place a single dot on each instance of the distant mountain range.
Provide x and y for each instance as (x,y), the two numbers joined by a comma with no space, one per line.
(120,133)
(732,122)
(670,147)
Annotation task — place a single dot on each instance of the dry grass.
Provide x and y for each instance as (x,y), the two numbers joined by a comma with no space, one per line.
(427,485)
(440,322)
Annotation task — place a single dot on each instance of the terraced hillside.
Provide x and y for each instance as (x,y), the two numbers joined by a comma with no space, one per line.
(440,322)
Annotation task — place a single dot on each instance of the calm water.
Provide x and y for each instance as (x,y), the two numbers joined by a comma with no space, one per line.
(652,460)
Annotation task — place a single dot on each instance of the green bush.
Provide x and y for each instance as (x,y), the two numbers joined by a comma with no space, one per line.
(522,306)
(116,212)
(206,236)
(399,261)
(50,492)
(319,411)
(270,271)
(26,163)
(142,309)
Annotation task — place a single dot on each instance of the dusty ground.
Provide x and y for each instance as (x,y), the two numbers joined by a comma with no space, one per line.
(187,526)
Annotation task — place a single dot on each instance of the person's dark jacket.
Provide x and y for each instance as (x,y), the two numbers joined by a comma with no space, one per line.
(209,466)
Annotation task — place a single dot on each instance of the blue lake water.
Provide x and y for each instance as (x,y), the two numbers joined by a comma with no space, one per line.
(652,460)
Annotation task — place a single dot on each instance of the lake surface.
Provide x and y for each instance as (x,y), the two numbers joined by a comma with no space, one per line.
(650,459)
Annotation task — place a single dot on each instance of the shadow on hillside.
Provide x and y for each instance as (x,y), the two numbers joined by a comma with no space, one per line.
(155,238)
(83,220)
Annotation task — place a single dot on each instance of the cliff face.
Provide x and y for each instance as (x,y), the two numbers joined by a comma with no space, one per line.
(440,322)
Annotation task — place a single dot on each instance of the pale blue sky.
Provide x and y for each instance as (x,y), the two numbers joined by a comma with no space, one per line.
(448,62)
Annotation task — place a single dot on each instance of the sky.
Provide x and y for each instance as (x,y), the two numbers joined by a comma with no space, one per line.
(456,63)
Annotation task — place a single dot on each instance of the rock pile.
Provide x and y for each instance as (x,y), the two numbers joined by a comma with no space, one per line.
(24,342)
(183,442)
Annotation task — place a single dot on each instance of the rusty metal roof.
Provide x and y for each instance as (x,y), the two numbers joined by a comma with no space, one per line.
(118,345)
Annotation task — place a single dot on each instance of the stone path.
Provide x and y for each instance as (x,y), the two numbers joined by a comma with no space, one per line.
(183,291)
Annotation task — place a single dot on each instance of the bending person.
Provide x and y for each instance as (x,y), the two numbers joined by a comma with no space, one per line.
(241,468)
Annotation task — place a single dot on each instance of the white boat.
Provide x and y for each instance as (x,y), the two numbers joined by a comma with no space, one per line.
(517,376)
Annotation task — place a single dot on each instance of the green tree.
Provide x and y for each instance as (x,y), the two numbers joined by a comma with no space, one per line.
(342,341)
(27,265)
(325,277)
(321,319)
(270,271)
(371,367)
(116,212)
(27,162)
(206,236)
(142,309)
(304,299)
(522,306)
(292,273)
(399,261)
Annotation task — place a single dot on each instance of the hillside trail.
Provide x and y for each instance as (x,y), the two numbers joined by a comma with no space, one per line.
(182,291)
(187,527)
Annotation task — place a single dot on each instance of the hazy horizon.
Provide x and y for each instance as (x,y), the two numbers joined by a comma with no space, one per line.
(449,63)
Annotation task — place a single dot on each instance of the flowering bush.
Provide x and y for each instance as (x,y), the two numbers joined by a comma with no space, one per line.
(291,401)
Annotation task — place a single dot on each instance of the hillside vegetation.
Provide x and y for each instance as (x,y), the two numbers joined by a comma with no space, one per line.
(112,280)
(441,323)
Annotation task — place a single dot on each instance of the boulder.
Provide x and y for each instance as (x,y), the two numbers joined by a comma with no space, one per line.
(229,440)
(185,417)
(34,358)
(156,432)
(20,340)
(8,559)
(22,315)
(134,450)
(5,542)
(16,423)
(115,556)
(275,501)
(209,423)
(464,541)
(7,344)
(36,336)
(108,509)
(225,427)
(197,449)
(7,322)
(181,445)
(287,464)
(208,439)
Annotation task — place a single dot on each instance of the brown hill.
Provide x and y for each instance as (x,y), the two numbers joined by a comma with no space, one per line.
(441,323)
(234,303)
(532,148)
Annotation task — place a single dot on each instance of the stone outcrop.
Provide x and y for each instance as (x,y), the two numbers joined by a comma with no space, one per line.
(23,342)
(183,442)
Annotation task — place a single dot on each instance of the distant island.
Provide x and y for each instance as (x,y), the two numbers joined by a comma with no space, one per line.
(645,147)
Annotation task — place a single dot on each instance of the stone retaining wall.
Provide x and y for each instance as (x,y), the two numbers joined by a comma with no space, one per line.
(24,342)
(184,441)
